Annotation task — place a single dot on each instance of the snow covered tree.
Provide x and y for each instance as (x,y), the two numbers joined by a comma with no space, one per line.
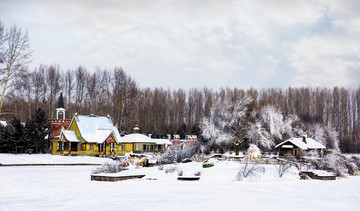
(268,127)
(273,121)
(259,136)
(331,138)
(227,122)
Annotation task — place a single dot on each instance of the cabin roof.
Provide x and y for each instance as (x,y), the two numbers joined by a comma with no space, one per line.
(310,143)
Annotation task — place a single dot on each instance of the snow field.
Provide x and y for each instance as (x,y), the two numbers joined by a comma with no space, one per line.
(70,187)
(49,159)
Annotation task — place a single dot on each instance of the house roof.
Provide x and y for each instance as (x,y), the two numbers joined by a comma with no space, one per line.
(70,135)
(310,143)
(96,129)
(136,138)
(161,141)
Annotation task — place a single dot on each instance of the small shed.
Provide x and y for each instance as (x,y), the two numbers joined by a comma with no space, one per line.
(293,146)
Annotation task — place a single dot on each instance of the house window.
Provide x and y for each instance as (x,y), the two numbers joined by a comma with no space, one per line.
(122,147)
(67,146)
(91,147)
(101,148)
(112,147)
(296,152)
(83,147)
(137,147)
(60,146)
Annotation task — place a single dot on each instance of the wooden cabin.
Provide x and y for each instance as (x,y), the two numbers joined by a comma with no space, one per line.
(294,146)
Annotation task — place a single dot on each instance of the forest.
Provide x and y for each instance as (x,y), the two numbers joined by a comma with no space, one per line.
(158,111)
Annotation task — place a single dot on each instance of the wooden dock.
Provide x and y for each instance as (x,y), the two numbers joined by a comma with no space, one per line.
(315,175)
(115,178)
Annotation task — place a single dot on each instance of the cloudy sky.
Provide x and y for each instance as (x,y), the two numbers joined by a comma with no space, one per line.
(188,44)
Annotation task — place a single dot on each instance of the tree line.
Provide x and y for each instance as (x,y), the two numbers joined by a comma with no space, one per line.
(157,111)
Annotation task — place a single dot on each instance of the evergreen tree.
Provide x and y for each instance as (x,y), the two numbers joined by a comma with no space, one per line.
(37,130)
(7,138)
(17,141)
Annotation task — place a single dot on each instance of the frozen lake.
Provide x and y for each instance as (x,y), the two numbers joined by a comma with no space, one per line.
(70,188)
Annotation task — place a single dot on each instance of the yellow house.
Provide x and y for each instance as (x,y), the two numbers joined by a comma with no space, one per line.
(139,143)
(97,136)
(89,135)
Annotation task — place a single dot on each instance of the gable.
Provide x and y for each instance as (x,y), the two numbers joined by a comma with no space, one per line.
(94,129)
(74,127)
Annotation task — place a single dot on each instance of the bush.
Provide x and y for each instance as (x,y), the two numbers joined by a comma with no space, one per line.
(171,169)
(336,162)
(109,167)
(282,168)
(250,170)
(176,154)
(356,160)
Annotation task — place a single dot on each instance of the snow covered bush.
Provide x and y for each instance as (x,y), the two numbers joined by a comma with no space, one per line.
(356,160)
(109,167)
(170,169)
(282,167)
(252,171)
(336,162)
(198,173)
(179,153)
(253,153)
(135,160)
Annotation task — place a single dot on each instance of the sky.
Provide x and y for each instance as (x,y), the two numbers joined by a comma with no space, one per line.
(194,44)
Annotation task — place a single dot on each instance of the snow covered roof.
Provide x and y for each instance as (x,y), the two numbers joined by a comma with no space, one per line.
(136,138)
(161,141)
(70,135)
(96,129)
(310,143)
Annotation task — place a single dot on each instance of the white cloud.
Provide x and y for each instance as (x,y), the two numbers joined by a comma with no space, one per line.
(196,43)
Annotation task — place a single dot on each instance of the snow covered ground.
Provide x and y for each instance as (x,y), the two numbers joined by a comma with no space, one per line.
(70,188)
(48,159)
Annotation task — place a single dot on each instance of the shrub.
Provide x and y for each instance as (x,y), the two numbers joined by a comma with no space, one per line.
(171,169)
(250,170)
(109,167)
(282,168)
(336,162)
(178,154)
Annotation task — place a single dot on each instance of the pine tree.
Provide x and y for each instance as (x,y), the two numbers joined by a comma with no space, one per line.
(37,130)
(17,135)
(7,138)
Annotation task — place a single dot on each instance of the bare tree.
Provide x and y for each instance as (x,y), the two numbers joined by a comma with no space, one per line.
(15,58)
(69,86)
(53,79)
(91,86)
(37,82)
(80,76)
